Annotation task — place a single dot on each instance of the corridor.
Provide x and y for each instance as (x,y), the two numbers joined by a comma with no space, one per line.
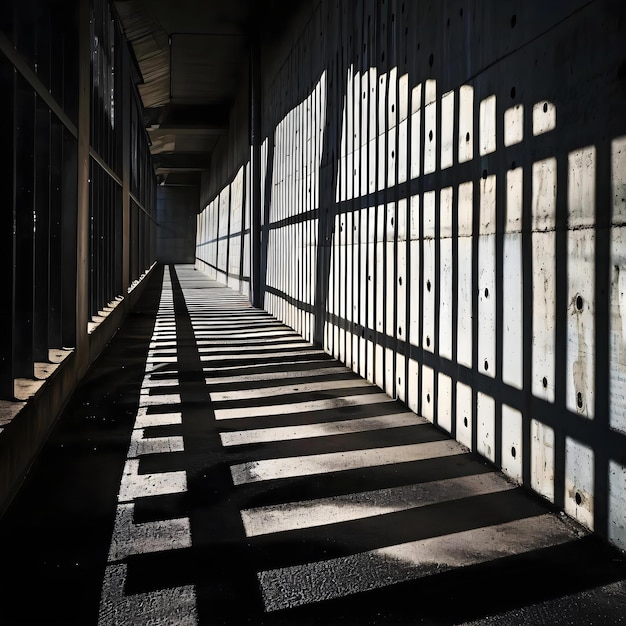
(215,468)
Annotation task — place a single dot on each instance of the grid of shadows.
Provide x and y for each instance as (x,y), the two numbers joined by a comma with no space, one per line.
(330,501)
(454,232)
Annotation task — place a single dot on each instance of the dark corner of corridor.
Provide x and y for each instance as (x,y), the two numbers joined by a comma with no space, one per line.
(314,313)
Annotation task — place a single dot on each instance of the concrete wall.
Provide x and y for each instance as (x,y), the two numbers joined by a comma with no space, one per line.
(223,241)
(223,226)
(443,196)
(177,208)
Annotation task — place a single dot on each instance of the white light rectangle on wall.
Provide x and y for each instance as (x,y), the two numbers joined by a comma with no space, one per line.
(416,106)
(512,442)
(447,130)
(466,123)
(444,402)
(487,128)
(543,277)
(579,482)
(464,412)
(542,459)
(487,278)
(464,269)
(485,426)
(445,273)
(430,126)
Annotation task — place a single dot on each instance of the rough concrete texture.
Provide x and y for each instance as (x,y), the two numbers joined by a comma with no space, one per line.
(443,211)
(215,468)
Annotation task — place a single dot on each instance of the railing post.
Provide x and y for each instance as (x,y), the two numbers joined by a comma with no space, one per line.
(255,174)
(82,217)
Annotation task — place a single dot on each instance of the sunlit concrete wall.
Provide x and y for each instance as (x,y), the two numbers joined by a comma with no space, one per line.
(223,234)
(223,225)
(444,210)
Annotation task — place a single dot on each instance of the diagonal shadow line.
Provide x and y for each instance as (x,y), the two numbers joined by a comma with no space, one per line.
(376,477)
(449,597)
(332,442)
(438,519)
(260,384)
(254,350)
(314,416)
(207,342)
(285,398)
(264,360)
(314,362)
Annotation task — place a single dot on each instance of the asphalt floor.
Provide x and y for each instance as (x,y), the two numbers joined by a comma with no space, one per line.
(214,468)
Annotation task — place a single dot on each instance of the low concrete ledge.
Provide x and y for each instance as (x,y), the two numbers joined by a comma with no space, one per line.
(26,423)
(29,425)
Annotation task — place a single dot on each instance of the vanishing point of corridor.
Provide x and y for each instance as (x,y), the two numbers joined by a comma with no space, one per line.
(214,468)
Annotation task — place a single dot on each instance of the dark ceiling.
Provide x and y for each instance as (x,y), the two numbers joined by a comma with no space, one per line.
(193,56)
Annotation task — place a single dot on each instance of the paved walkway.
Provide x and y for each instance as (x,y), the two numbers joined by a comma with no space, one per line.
(214,468)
